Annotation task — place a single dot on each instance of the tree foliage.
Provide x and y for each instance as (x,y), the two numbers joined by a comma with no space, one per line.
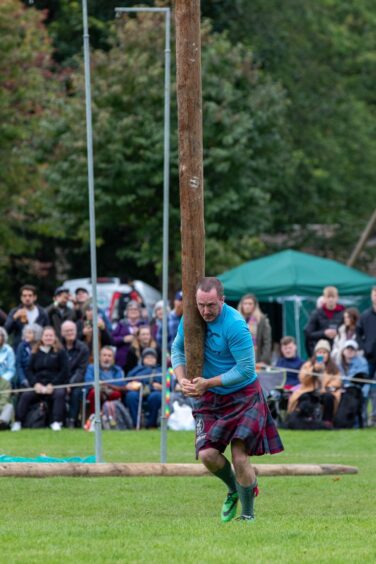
(246,153)
(27,87)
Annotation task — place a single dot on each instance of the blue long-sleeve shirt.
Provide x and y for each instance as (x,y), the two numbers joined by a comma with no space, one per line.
(228,351)
(7,363)
(113,373)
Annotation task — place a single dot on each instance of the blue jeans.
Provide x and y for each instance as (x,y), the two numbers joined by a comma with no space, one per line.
(369,393)
(153,404)
(75,398)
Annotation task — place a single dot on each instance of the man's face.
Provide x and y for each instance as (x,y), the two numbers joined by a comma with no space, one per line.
(62,298)
(133,313)
(82,296)
(209,304)
(289,350)
(106,358)
(331,301)
(28,298)
(69,331)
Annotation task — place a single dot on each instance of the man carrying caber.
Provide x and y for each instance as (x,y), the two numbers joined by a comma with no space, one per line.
(230,408)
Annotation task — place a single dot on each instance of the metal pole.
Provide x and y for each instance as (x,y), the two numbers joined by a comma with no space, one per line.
(93,253)
(166,197)
(166,179)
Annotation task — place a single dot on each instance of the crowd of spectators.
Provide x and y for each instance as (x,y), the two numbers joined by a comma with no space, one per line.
(50,359)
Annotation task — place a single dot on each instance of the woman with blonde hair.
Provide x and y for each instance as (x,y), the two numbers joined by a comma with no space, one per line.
(48,368)
(259,327)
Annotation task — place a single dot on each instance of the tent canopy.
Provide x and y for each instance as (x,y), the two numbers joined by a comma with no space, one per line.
(292,273)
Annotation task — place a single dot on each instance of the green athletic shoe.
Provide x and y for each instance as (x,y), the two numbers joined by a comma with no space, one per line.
(229,507)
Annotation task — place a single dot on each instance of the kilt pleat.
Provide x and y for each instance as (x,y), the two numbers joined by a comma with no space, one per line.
(243,415)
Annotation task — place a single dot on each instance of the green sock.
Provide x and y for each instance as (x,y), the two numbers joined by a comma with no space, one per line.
(227,476)
(247,499)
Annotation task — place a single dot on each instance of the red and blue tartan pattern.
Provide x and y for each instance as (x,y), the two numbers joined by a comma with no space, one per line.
(243,415)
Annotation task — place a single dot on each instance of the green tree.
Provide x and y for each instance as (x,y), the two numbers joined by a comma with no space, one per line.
(27,87)
(246,152)
(323,53)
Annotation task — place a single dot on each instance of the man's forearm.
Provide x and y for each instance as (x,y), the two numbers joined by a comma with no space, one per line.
(180,373)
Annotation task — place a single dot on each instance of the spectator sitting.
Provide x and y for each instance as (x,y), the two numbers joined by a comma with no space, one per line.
(109,372)
(26,313)
(259,327)
(319,376)
(152,388)
(345,332)
(7,358)
(366,337)
(78,359)
(48,368)
(59,311)
(289,360)
(156,322)
(85,330)
(31,334)
(6,407)
(324,321)
(141,341)
(173,320)
(351,363)
(125,330)
(7,372)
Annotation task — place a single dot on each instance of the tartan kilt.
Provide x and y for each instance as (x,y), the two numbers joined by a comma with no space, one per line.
(243,415)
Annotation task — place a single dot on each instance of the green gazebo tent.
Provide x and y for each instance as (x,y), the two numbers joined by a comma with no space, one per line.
(296,280)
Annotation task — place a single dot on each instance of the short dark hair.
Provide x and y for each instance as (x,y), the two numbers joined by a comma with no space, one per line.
(208,283)
(28,287)
(287,340)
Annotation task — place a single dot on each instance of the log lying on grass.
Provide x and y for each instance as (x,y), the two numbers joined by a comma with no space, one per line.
(46,470)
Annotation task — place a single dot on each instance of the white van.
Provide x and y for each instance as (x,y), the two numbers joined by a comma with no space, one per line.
(113,296)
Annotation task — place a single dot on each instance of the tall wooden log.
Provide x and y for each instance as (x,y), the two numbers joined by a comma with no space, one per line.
(189,97)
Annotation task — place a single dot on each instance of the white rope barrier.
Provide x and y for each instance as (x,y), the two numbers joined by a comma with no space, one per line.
(270,369)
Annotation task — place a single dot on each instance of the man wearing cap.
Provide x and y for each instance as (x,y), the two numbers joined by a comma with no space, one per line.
(151,388)
(26,313)
(173,320)
(81,299)
(366,337)
(59,311)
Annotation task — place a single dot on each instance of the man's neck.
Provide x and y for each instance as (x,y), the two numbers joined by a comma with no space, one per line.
(69,344)
(30,307)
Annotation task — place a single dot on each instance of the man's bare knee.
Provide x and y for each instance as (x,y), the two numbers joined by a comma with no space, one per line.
(211,458)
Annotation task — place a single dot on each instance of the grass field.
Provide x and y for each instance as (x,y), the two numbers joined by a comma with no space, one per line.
(299,519)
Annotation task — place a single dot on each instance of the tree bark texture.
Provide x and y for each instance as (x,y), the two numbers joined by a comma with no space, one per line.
(46,470)
(189,98)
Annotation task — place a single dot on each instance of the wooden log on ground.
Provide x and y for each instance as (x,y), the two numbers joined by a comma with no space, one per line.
(47,470)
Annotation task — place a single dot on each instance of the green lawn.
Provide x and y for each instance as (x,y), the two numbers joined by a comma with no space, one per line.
(299,519)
